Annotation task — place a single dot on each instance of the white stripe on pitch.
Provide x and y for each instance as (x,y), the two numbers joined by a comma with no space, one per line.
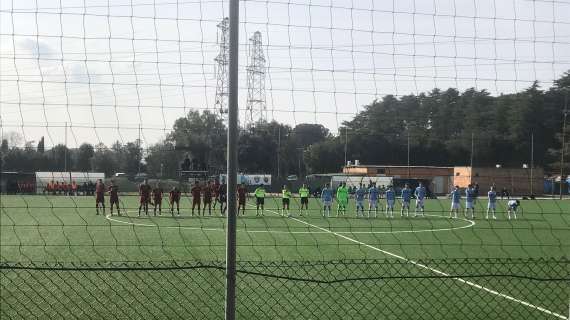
(423,266)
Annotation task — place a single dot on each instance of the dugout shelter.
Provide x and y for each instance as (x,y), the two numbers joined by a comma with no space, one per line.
(12,182)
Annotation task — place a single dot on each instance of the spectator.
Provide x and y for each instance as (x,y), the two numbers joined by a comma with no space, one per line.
(317,192)
(186,164)
(74,188)
(504,193)
(51,187)
(91,188)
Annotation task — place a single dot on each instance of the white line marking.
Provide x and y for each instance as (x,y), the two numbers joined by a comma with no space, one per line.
(471,224)
(528,304)
(108,217)
(341,235)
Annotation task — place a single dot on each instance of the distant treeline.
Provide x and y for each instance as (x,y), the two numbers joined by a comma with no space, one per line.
(440,127)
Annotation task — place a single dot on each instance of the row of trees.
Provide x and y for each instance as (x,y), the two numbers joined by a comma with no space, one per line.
(118,158)
(441,127)
(268,147)
(437,127)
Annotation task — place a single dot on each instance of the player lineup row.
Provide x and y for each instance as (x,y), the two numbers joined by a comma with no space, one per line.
(213,193)
(210,194)
(372,194)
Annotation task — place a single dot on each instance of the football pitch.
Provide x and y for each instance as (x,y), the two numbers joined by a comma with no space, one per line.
(61,260)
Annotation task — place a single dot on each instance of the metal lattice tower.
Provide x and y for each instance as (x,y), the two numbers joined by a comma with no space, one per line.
(256,107)
(222,60)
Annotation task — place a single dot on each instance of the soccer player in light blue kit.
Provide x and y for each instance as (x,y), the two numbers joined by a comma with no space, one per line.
(512,207)
(492,204)
(420,194)
(455,200)
(390,200)
(373,195)
(470,201)
(359,197)
(327,198)
(406,198)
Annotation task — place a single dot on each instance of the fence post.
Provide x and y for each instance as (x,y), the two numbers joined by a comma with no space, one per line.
(232,161)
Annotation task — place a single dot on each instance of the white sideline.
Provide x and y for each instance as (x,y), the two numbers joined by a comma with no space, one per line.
(528,304)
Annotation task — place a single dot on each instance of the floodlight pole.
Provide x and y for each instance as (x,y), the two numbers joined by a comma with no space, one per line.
(345,145)
(408,163)
(472,149)
(232,161)
(139,150)
(65,151)
(278,151)
(300,155)
(563,140)
(531,163)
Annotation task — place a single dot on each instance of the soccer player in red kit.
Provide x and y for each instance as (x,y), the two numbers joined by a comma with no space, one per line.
(174,198)
(157,198)
(196,192)
(100,196)
(242,194)
(208,198)
(216,191)
(144,193)
(114,197)
(223,198)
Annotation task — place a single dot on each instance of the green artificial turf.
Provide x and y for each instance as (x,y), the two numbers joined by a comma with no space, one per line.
(61,260)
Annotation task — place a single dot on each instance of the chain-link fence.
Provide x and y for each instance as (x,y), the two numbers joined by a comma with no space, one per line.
(349,289)
(400,159)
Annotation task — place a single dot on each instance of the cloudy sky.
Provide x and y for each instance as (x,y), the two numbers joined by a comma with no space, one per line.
(107,68)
